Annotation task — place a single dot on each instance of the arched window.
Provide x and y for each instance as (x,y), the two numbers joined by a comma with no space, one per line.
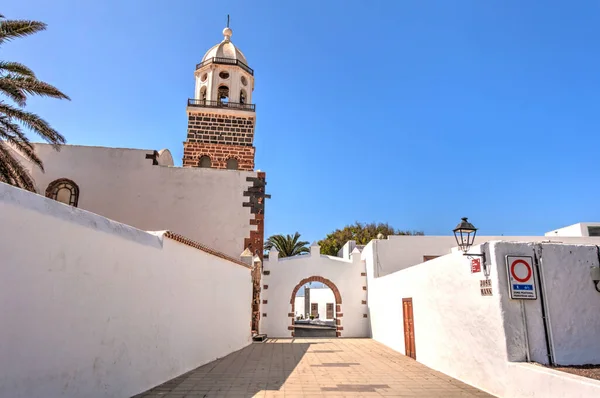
(232,164)
(204,162)
(203,93)
(223,94)
(242,96)
(63,190)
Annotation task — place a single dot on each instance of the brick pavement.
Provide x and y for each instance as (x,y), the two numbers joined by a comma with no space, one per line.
(314,368)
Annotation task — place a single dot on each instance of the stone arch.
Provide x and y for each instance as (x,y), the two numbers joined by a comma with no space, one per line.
(63,190)
(336,294)
(232,163)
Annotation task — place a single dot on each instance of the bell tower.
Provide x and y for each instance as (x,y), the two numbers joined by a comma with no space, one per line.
(221,116)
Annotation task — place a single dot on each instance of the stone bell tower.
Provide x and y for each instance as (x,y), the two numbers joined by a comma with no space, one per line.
(221,116)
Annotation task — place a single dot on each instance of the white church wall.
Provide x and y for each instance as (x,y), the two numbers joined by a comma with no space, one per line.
(121,184)
(90,307)
(286,273)
(473,337)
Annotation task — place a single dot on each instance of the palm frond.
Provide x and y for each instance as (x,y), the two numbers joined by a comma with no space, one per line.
(12,29)
(31,86)
(12,133)
(12,171)
(287,245)
(34,123)
(12,92)
(15,67)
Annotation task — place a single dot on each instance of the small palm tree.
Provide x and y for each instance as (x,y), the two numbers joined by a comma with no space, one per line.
(287,245)
(17,82)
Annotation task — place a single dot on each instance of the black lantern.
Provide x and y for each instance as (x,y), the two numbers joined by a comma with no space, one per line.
(465,234)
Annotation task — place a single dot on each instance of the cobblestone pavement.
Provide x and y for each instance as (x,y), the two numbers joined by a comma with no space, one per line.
(314,368)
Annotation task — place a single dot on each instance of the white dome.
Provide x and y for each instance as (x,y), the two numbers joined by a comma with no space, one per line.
(225,49)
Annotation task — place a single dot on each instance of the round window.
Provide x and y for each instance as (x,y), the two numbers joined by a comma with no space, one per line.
(244,81)
(224,75)
(204,77)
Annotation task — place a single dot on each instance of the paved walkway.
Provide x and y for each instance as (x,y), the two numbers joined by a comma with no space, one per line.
(314,368)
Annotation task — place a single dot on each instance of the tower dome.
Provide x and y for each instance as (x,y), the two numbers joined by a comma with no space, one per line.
(225,49)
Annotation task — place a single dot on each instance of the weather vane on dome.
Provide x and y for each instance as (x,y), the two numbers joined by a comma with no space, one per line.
(227,20)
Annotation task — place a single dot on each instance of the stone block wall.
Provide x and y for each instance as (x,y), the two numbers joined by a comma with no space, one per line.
(219,136)
(218,154)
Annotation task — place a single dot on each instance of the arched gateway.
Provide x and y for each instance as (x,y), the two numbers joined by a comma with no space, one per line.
(282,278)
(336,294)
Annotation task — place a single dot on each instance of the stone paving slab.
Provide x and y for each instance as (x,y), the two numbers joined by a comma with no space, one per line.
(314,368)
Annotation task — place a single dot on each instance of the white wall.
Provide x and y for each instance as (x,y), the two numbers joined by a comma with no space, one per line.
(202,204)
(90,307)
(299,306)
(322,296)
(572,303)
(457,331)
(286,273)
(473,337)
(579,229)
(402,251)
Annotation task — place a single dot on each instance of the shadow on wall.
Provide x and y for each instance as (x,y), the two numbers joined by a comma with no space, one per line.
(246,372)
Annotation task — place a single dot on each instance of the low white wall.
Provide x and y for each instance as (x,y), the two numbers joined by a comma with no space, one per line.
(286,273)
(90,307)
(534,381)
(205,205)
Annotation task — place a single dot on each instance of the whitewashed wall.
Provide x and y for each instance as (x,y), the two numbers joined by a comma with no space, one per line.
(90,307)
(398,252)
(286,273)
(299,306)
(473,337)
(322,296)
(572,304)
(121,184)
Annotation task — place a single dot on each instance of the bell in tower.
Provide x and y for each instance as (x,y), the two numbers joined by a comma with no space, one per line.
(221,116)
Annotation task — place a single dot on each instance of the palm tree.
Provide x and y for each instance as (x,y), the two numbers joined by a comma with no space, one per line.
(17,82)
(287,245)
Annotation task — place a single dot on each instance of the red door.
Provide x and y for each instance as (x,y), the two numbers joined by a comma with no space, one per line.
(409,328)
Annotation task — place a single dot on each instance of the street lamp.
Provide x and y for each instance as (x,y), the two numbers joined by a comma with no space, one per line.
(464,233)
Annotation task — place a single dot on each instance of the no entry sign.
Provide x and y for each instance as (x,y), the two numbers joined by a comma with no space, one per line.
(521,278)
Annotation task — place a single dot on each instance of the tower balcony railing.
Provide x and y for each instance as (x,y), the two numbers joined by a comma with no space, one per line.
(225,61)
(220,104)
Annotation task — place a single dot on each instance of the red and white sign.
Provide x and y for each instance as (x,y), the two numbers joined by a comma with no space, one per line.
(475,265)
(521,277)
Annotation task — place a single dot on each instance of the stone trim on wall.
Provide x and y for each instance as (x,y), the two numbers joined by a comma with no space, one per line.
(199,246)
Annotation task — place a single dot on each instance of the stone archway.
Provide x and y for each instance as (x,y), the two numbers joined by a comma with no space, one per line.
(338,302)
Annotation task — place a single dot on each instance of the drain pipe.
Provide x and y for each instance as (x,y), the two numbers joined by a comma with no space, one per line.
(545,318)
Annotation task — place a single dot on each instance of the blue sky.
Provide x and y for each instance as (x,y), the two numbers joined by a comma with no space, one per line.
(413,113)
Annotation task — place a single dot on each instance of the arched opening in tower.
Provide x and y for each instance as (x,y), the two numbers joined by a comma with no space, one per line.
(223,94)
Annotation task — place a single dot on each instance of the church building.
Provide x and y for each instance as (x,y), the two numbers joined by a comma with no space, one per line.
(216,198)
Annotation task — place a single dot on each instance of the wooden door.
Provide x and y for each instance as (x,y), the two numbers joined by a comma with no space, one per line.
(329,310)
(409,328)
(314,309)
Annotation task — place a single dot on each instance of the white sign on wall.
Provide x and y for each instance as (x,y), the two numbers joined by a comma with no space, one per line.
(521,277)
